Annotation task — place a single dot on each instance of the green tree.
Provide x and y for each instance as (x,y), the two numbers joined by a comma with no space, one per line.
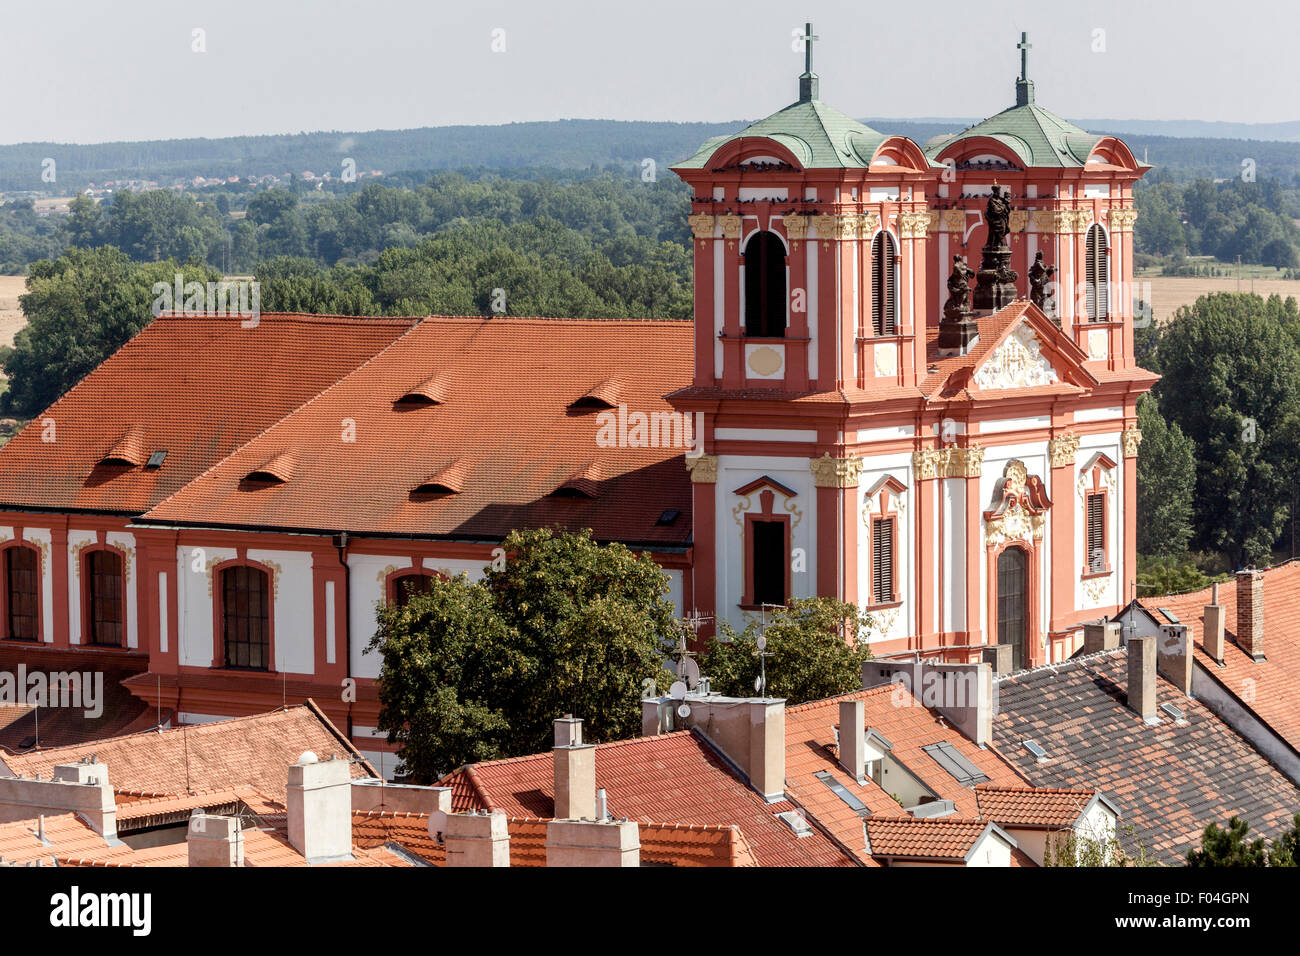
(815,650)
(1231,382)
(80,309)
(1228,847)
(1285,850)
(561,624)
(1166,476)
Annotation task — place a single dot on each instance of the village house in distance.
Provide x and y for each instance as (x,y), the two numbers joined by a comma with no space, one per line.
(912,366)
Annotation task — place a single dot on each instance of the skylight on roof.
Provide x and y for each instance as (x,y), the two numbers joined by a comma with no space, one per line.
(156,459)
(1173,711)
(955,762)
(1038,752)
(1170,616)
(842,792)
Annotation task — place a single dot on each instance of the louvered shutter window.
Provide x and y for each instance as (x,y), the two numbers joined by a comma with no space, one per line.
(884,304)
(1097,275)
(882,561)
(1096,533)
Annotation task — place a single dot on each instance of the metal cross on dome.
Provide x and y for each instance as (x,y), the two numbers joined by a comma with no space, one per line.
(808,40)
(1024,46)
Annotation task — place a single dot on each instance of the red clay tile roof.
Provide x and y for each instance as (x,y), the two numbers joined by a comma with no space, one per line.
(122,711)
(1267,688)
(1047,807)
(66,833)
(893,712)
(507,385)
(943,838)
(661,843)
(672,778)
(1169,780)
(196,386)
(250,751)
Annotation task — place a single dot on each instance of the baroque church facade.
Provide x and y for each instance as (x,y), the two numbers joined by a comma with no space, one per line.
(217,511)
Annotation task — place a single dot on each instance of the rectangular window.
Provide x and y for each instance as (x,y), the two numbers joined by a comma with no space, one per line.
(246,623)
(106,618)
(768,561)
(882,561)
(1096,533)
(20,577)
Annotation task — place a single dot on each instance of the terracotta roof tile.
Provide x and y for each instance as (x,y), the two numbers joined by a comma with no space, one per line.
(931,839)
(505,420)
(1169,780)
(1268,688)
(1051,807)
(245,751)
(672,778)
(154,394)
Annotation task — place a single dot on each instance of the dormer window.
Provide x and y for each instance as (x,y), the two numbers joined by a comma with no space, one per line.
(432,391)
(127,451)
(447,480)
(277,471)
(602,395)
(583,483)
(765,286)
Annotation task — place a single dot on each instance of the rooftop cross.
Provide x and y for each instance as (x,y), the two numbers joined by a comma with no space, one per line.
(1024,85)
(808,79)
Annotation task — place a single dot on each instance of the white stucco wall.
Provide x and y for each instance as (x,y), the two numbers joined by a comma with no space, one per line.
(736,471)
(1108,591)
(895,623)
(1036,462)
(194,589)
(294,623)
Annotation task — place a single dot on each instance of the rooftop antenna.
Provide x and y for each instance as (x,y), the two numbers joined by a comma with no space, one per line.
(687,669)
(762,653)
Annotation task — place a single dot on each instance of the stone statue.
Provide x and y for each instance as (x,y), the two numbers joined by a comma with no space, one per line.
(998,214)
(1041,292)
(958,303)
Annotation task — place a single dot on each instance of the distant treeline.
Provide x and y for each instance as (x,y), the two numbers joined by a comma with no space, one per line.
(1253,220)
(561,144)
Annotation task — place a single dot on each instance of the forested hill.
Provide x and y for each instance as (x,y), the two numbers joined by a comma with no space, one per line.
(561,144)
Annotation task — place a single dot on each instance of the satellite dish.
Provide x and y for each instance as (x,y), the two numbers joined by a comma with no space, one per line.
(677,691)
(683,711)
(690,673)
(761,642)
(437,825)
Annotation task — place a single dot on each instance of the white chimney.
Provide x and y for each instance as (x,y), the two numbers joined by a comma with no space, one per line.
(575,772)
(853,743)
(319,798)
(215,840)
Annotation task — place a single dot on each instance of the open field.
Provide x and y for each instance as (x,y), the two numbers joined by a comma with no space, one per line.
(11,319)
(1170,292)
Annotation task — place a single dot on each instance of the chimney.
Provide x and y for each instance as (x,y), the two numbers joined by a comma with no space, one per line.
(1100,636)
(853,739)
(1174,656)
(1212,639)
(575,772)
(1250,613)
(1142,676)
(748,731)
(319,799)
(371,793)
(593,843)
(477,839)
(82,788)
(215,840)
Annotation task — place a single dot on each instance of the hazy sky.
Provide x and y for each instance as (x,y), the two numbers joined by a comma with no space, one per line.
(95,70)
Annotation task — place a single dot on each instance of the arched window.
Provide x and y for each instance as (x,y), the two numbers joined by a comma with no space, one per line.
(884,283)
(765,297)
(1013,603)
(1097,275)
(246,617)
(408,586)
(22,595)
(105,584)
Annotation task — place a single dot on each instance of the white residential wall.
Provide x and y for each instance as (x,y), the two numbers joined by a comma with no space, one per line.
(897,622)
(675,593)
(736,471)
(294,624)
(194,588)
(991,850)
(1100,592)
(368,572)
(953,551)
